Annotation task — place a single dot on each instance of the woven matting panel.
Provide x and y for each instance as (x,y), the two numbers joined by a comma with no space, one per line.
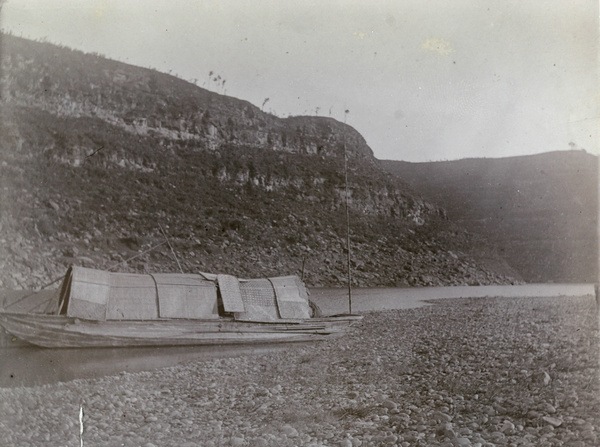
(259,301)
(291,296)
(229,286)
(186,296)
(87,310)
(89,294)
(132,297)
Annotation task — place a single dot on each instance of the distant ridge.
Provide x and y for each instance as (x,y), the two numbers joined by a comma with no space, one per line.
(541,209)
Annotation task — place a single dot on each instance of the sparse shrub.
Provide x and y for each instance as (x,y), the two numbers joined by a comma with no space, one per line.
(231,225)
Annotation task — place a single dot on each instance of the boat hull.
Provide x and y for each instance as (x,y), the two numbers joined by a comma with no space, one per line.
(58,331)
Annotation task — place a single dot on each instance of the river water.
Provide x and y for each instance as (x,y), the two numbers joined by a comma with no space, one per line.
(332,301)
(36,366)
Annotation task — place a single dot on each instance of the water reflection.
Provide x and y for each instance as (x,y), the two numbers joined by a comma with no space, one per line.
(31,366)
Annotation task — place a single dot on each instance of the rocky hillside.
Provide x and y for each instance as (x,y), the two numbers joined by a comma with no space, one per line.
(144,102)
(103,162)
(541,209)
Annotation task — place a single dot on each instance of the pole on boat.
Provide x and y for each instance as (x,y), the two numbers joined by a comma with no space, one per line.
(171,247)
(347,217)
(136,256)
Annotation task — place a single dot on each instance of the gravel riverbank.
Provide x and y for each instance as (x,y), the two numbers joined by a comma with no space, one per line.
(465,372)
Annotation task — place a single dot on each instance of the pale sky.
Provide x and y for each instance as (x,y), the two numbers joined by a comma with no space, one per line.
(423,80)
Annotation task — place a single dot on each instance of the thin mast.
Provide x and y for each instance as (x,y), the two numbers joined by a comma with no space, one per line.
(347,217)
(171,247)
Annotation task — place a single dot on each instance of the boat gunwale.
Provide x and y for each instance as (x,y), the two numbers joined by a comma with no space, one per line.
(221,319)
(60,331)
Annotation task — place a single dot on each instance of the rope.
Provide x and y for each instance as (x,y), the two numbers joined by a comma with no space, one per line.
(34,293)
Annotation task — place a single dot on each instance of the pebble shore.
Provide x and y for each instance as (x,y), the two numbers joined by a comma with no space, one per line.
(464,372)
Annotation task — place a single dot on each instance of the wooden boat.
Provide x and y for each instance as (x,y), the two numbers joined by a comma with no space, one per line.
(58,331)
(93,308)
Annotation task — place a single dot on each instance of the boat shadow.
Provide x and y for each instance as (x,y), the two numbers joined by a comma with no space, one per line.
(28,366)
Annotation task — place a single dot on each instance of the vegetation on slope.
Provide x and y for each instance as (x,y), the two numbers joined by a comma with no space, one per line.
(87,182)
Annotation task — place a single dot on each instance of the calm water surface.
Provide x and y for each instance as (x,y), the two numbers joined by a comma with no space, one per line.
(37,366)
(332,301)
(33,366)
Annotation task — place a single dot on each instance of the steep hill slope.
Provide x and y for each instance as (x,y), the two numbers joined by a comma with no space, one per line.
(96,156)
(541,209)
